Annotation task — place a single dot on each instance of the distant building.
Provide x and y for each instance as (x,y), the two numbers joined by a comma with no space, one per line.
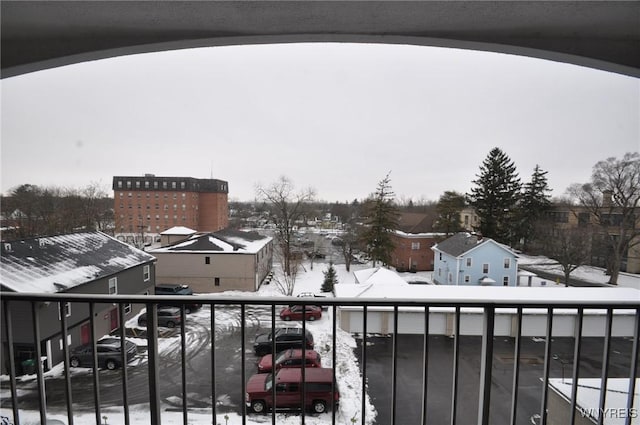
(215,262)
(412,242)
(153,204)
(469,259)
(80,263)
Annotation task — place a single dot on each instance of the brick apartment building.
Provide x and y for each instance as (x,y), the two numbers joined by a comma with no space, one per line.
(153,204)
(412,243)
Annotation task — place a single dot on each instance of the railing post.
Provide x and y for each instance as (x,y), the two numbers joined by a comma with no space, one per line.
(94,350)
(12,364)
(486,365)
(425,365)
(65,354)
(456,364)
(154,364)
(576,365)
(125,365)
(363,393)
(183,368)
(633,373)
(605,364)
(516,367)
(547,366)
(36,339)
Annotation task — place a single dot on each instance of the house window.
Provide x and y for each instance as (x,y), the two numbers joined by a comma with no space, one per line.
(505,280)
(146,186)
(467,278)
(120,184)
(67,310)
(450,278)
(439,272)
(113,286)
(468,262)
(415,246)
(216,281)
(507,263)
(440,256)
(127,308)
(485,268)
(207,260)
(68,341)
(173,185)
(155,186)
(146,273)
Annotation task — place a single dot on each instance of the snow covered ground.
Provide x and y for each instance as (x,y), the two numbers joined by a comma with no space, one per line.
(349,380)
(347,372)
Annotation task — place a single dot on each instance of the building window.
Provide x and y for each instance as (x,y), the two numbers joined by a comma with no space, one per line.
(450,278)
(164,185)
(137,185)
(505,281)
(216,281)
(128,185)
(113,286)
(173,185)
(415,246)
(120,184)
(155,186)
(207,260)
(485,268)
(67,310)
(146,273)
(467,278)
(127,308)
(146,185)
(507,263)
(181,185)
(468,262)
(440,256)
(68,341)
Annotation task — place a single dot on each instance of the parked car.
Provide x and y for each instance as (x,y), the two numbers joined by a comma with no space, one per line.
(285,338)
(176,289)
(289,358)
(312,295)
(295,312)
(319,391)
(109,354)
(168,317)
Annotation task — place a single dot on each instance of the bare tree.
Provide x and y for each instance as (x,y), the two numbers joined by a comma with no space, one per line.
(286,282)
(570,247)
(612,198)
(286,207)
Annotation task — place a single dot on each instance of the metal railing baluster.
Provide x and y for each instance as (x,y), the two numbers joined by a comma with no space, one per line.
(40,374)
(633,373)
(425,365)
(486,365)
(394,366)
(547,365)
(516,366)
(243,372)
(65,356)
(605,365)
(576,365)
(12,363)
(95,374)
(214,400)
(456,358)
(363,392)
(125,364)
(183,368)
(154,363)
(333,365)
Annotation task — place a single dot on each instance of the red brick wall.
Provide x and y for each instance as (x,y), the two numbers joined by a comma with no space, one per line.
(404,256)
(214,212)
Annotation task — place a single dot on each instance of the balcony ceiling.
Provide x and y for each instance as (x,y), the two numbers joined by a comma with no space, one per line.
(37,35)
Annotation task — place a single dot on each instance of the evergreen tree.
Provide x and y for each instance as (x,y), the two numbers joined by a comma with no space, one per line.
(382,220)
(448,208)
(534,204)
(330,279)
(495,196)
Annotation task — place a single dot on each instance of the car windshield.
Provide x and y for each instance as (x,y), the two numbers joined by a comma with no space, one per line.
(268,383)
(281,357)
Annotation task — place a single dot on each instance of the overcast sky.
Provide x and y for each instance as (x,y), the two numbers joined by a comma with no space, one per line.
(335,117)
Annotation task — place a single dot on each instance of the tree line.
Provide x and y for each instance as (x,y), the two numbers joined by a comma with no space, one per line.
(30,211)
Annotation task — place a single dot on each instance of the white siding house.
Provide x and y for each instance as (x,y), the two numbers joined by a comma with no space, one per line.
(468,259)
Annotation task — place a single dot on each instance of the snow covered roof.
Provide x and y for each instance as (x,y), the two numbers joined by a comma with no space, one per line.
(226,240)
(373,282)
(179,230)
(57,263)
(502,294)
(463,242)
(378,276)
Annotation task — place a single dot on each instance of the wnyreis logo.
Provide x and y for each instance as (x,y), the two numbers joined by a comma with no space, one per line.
(610,413)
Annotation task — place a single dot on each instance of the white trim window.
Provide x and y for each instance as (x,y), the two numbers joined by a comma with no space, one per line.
(485,268)
(469,262)
(505,280)
(146,273)
(113,286)
(415,246)
(507,263)
(467,278)
(127,308)
(67,310)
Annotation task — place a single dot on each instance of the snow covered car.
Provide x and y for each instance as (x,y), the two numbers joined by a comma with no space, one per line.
(289,358)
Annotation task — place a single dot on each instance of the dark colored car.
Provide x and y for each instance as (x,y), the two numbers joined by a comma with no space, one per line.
(289,358)
(109,354)
(284,338)
(176,289)
(319,391)
(168,317)
(295,312)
